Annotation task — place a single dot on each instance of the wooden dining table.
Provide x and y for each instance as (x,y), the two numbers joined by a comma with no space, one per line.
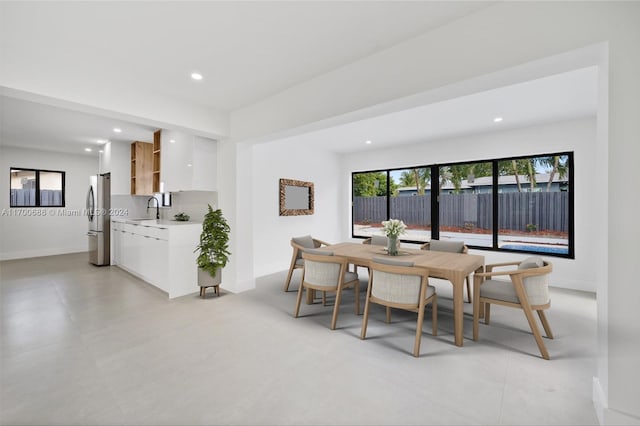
(454,267)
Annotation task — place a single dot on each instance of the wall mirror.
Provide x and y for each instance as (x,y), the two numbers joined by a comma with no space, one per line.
(296,197)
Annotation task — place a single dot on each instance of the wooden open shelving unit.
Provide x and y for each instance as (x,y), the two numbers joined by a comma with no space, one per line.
(141,168)
(156,161)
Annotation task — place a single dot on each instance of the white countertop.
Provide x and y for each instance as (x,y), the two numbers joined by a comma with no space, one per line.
(154,222)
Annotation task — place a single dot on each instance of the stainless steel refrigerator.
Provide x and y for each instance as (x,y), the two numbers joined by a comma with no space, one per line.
(98,206)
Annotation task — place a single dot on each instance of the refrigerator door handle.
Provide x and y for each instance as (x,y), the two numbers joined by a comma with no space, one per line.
(90,203)
(91,234)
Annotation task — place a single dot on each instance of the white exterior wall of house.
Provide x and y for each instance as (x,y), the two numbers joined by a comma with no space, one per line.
(454,53)
(50,231)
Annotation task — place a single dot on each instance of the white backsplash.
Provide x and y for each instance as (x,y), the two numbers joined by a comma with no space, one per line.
(131,206)
(192,203)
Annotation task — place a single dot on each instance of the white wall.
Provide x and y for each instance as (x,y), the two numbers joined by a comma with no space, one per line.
(116,159)
(272,232)
(576,135)
(53,232)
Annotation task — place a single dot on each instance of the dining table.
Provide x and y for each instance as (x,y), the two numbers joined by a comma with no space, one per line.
(453,267)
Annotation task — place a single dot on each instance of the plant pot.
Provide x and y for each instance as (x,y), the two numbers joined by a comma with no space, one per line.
(205,280)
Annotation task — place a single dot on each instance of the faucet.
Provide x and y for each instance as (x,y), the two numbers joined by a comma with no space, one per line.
(157,206)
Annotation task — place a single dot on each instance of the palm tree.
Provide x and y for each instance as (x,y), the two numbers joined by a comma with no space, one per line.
(418,177)
(526,167)
(516,173)
(558,166)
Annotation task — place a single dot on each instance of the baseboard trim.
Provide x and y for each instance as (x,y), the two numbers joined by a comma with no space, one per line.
(27,254)
(599,400)
(607,416)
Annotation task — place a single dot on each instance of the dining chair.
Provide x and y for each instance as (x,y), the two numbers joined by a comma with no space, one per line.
(376,240)
(297,262)
(449,246)
(527,289)
(400,284)
(328,273)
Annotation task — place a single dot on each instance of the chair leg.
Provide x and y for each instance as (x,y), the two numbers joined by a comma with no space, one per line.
(468,290)
(356,290)
(477,282)
(324,298)
(434,314)
(487,313)
(388,315)
(286,283)
(334,319)
(298,300)
(545,323)
(365,319)
(536,333)
(416,345)
(476,319)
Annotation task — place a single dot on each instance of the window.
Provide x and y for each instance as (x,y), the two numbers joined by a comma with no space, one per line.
(36,188)
(370,202)
(465,203)
(534,204)
(522,204)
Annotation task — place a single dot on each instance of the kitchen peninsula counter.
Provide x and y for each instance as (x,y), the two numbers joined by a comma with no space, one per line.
(160,252)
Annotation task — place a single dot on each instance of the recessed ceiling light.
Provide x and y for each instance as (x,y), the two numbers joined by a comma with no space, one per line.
(102,141)
(368,142)
(497,119)
(88,149)
(196,76)
(189,165)
(101,151)
(172,140)
(117,130)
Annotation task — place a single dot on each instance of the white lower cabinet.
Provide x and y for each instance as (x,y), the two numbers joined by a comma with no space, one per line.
(162,256)
(154,261)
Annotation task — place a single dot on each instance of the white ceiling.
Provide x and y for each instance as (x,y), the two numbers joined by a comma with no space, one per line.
(555,98)
(38,126)
(246,51)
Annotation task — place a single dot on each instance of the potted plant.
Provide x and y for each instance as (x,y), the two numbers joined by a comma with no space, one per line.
(213,250)
(393,228)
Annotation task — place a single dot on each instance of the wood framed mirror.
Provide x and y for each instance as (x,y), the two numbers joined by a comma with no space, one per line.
(296,197)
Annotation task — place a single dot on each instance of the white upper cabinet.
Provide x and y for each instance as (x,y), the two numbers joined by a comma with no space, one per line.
(188,163)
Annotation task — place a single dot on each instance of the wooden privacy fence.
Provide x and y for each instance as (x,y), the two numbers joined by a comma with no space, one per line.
(27,197)
(518,211)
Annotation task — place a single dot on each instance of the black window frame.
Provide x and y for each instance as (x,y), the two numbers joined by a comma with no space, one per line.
(435,210)
(38,193)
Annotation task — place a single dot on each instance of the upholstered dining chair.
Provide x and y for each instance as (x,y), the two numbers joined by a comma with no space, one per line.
(376,240)
(328,273)
(297,262)
(527,289)
(398,284)
(449,246)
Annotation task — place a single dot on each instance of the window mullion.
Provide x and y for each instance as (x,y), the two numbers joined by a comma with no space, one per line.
(494,201)
(37,188)
(435,203)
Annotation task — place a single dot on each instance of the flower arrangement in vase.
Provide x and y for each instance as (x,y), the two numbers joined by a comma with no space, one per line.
(393,228)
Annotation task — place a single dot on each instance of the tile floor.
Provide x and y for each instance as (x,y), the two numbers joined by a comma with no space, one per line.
(87,345)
